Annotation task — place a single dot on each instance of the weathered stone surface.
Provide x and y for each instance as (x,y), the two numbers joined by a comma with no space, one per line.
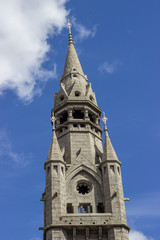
(83,198)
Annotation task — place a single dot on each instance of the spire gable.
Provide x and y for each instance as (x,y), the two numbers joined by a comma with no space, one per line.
(90,94)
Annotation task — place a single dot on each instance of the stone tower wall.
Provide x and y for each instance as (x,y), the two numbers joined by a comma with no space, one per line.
(55,192)
(94,197)
(83,198)
(73,143)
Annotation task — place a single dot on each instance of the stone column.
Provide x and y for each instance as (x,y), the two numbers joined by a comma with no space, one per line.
(74,233)
(70,113)
(87,233)
(96,120)
(75,207)
(100,233)
(70,117)
(86,117)
(57,121)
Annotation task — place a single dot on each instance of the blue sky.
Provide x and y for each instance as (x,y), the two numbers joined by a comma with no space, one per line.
(118,47)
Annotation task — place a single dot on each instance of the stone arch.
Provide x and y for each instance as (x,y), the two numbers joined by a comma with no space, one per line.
(85,177)
(80,168)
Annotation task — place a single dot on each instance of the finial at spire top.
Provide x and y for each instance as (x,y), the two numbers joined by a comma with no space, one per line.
(70,33)
(104,119)
(69,26)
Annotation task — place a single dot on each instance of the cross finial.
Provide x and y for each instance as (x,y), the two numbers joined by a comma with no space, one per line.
(104,119)
(69,26)
(53,121)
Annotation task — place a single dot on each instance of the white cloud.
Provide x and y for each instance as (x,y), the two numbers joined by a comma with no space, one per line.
(24,29)
(8,155)
(82,31)
(135,235)
(109,67)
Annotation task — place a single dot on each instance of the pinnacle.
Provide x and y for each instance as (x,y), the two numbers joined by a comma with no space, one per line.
(109,152)
(54,150)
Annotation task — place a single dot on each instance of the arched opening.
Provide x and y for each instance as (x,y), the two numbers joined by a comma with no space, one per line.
(97,159)
(91,98)
(85,208)
(61,98)
(100,208)
(78,114)
(69,208)
(64,117)
(77,93)
(91,117)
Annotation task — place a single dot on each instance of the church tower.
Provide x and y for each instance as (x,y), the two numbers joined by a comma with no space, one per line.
(83,197)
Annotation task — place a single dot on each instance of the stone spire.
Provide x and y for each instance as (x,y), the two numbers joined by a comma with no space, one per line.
(83,184)
(54,153)
(109,153)
(72,60)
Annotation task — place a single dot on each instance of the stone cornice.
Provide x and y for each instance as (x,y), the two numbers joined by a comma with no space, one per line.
(85,225)
(54,161)
(110,161)
(86,131)
(74,102)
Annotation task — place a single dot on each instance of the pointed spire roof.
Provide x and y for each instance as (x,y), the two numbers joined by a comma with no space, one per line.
(109,153)
(72,60)
(54,150)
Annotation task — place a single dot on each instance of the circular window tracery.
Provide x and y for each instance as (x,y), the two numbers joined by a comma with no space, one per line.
(83,188)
